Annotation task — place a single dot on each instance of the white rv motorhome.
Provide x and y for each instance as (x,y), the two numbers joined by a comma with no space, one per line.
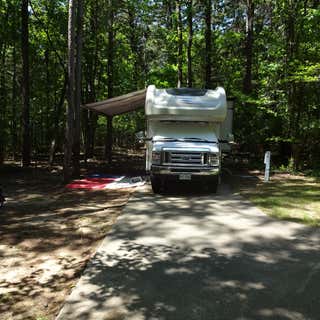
(184,135)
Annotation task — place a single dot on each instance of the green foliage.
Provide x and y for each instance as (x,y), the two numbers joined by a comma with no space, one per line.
(282,112)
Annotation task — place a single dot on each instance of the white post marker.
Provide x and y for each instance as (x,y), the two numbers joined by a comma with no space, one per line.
(267,158)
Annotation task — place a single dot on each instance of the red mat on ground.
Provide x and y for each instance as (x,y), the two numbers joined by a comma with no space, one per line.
(90,183)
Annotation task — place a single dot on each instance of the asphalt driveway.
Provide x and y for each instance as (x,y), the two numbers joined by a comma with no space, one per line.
(199,256)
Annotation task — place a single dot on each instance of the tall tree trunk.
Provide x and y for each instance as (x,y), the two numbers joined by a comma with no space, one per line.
(48,95)
(179,34)
(110,66)
(247,80)
(169,9)
(134,46)
(291,48)
(26,143)
(76,141)
(14,134)
(57,116)
(190,39)
(3,104)
(91,117)
(92,125)
(67,161)
(109,139)
(3,90)
(208,42)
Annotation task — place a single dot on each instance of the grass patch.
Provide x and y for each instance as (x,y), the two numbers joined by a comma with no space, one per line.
(294,198)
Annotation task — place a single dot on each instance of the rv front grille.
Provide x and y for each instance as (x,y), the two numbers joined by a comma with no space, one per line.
(185,158)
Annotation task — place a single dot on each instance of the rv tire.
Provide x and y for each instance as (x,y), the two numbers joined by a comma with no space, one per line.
(156,184)
(213,184)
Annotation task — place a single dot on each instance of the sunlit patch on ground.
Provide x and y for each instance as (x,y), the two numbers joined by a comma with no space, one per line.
(47,236)
(288,197)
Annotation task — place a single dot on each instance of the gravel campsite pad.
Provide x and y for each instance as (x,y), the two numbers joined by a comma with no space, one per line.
(47,235)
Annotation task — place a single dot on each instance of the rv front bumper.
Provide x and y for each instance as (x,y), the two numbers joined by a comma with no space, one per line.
(178,170)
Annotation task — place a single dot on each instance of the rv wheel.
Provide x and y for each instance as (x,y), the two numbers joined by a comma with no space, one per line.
(156,185)
(213,184)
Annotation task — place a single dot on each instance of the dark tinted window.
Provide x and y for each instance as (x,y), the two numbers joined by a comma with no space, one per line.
(186,92)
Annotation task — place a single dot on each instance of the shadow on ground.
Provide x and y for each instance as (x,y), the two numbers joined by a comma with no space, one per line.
(199,256)
(47,235)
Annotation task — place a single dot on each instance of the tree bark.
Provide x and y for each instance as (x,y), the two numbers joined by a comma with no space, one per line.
(179,34)
(190,39)
(208,42)
(3,91)
(57,115)
(76,141)
(67,161)
(26,143)
(247,80)
(291,48)
(14,135)
(48,98)
(133,37)
(90,120)
(109,139)
(3,104)
(92,117)
(110,66)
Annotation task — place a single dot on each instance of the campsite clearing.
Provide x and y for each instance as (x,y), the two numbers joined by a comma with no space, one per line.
(285,196)
(48,233)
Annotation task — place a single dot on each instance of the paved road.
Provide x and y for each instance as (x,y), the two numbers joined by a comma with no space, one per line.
(199,256)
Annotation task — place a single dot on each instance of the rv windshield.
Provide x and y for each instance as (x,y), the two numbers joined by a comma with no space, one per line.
(183,131)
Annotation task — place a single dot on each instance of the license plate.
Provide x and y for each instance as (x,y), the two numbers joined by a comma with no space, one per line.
(184,176)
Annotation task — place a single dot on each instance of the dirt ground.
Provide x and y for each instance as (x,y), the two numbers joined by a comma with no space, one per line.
(47,234)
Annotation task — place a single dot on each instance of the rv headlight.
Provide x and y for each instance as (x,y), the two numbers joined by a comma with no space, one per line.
(213,159)
(156,157)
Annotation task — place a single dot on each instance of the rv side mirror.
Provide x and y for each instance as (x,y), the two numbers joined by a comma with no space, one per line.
(230,137)
(140,136)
